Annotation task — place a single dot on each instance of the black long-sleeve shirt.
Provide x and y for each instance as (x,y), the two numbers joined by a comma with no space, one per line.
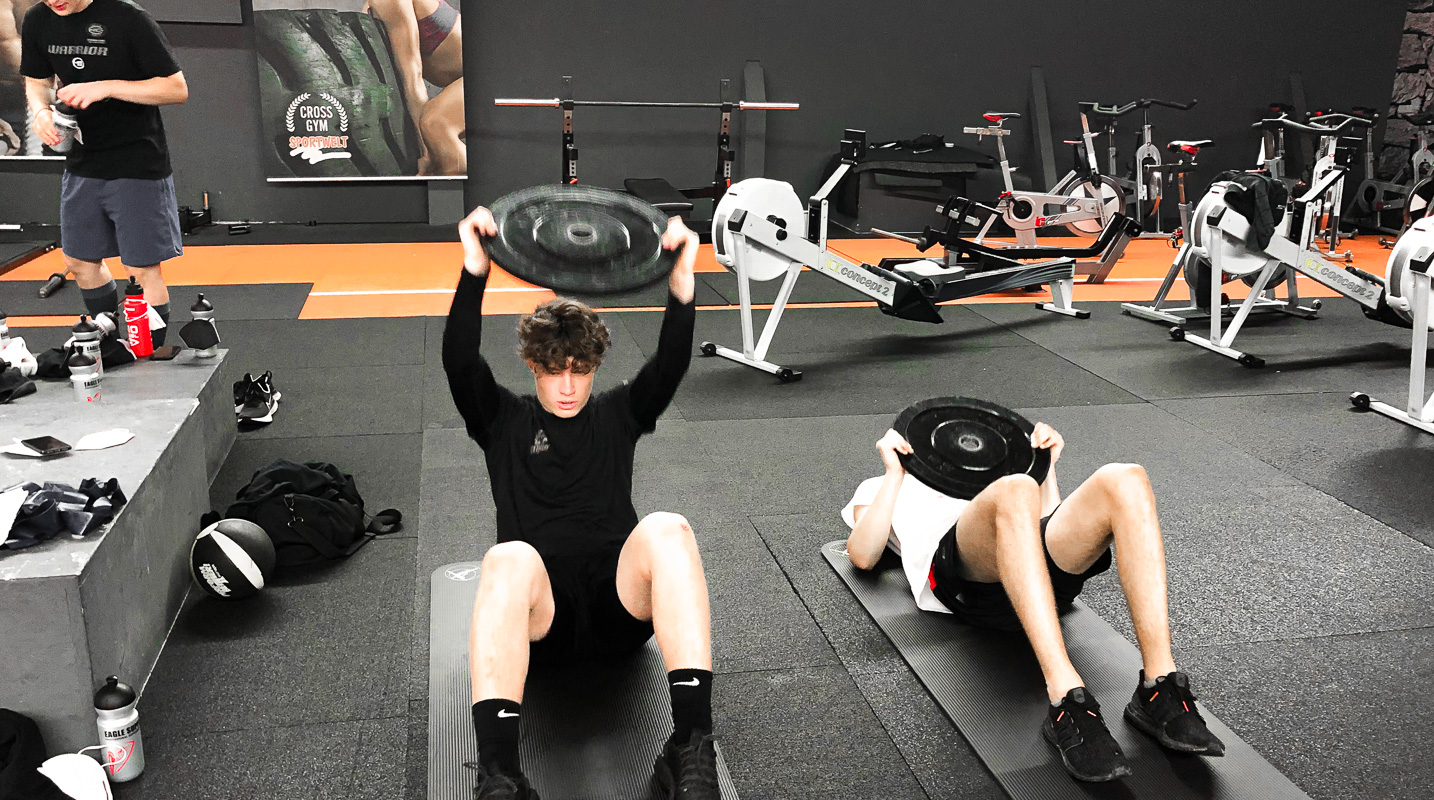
(563,485)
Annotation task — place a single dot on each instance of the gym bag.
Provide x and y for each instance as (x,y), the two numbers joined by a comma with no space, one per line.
(312,511)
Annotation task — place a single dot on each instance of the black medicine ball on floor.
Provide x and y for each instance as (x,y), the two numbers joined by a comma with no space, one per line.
(231,559)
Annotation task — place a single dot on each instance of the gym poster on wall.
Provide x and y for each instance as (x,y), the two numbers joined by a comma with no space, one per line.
(360,89)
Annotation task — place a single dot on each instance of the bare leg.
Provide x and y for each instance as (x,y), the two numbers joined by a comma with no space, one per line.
(152,279)
(999,538)
(1117,502)
(514,607)
(88,274)
(442,126)
(659,577)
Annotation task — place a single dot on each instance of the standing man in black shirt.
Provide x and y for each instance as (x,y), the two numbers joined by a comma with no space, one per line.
(109,60)
(575,574)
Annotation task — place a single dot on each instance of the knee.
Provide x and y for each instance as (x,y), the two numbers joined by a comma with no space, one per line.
(1123,482)
(432,122)
(1016,491)
(511,563)
(664,530)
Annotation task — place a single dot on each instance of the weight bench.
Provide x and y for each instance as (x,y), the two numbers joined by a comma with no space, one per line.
(590,733)
(990,686)
(658,192)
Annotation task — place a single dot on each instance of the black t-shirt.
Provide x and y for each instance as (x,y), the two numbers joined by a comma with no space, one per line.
(108,40)
(563,485)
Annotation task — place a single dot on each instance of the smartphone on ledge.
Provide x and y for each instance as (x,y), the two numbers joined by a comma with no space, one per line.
(165,352)
(46,445)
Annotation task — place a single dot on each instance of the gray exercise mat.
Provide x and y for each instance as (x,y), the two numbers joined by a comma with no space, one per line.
(990,685)
(588,733)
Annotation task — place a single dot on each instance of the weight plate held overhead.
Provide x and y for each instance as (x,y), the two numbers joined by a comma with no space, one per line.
(580,239)
(960,445)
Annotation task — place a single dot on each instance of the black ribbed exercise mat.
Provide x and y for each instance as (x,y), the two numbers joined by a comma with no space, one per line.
(990,685)
(588,734)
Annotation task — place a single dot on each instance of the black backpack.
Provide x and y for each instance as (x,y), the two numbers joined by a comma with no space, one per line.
(312,511)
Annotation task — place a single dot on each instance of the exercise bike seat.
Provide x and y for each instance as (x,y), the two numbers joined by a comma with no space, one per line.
(1190,146)
(997,116)
(659,193)
(1426,118)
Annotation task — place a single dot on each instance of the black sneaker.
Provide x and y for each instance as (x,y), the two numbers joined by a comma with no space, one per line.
(687,771)
(1167,713)
(497,786)
(261,400)
(241,390)
(1088,750)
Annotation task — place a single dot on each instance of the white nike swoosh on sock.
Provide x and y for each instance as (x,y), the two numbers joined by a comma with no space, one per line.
(693,682)
(507,714)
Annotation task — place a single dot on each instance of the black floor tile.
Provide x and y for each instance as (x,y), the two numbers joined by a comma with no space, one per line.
(356,344)
(344,401)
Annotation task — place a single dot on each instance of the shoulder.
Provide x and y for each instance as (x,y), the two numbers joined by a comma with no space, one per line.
(36,16)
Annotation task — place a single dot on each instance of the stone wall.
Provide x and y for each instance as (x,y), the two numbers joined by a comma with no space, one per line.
(1413,84)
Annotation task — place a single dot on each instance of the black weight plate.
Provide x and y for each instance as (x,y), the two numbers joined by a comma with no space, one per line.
(580,239)
(960,445)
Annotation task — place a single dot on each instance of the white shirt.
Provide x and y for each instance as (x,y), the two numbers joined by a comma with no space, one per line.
(919,519)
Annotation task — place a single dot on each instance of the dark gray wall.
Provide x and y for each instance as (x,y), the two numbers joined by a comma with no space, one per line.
(896,68)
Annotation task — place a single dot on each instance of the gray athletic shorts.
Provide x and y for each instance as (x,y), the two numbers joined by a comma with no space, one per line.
(133,219)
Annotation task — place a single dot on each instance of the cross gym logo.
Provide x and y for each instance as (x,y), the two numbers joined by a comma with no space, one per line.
(317,125)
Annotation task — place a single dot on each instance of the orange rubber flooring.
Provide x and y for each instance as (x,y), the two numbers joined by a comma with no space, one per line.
(417,279)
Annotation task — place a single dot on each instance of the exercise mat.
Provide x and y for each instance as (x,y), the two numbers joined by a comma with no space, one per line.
(589,733)
(990,685)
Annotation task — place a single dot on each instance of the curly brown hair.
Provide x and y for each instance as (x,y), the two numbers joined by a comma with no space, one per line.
(562,333)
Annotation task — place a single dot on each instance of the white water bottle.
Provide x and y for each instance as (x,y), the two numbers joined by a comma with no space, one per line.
(118,723)
(4,330)
(84,376)
(86,337)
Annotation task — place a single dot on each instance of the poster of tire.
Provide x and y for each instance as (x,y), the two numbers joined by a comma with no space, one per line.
(17,138)
(360,89)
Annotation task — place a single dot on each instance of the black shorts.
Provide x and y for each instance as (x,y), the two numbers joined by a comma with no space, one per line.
(986,605)
(589,620)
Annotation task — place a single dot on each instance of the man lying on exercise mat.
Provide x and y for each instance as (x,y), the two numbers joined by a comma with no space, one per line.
(575,575)
(1012,556)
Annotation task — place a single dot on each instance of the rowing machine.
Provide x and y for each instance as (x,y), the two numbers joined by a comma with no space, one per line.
(761,232)
(1410,292)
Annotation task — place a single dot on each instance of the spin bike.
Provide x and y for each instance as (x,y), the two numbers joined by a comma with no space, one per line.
(1144,185)
(1391,206)
(1084,200)
(761,231)
(1329,127)
(1227,241)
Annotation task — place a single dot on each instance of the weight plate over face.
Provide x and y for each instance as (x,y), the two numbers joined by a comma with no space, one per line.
(960,445)
(580,239)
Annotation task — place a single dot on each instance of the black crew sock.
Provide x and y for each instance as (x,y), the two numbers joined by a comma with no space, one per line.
(157,336)
(497,724)
(101,299)
(691,702)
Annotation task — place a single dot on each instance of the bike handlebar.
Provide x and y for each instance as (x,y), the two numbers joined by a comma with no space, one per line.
(1120,111)
(1345,122)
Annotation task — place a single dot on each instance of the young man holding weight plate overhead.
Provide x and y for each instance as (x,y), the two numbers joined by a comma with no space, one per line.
(575,575)
(1015,553)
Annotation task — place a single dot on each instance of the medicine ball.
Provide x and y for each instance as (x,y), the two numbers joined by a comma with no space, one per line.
(231,559)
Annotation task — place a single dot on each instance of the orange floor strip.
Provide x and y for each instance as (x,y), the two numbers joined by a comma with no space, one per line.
(417,279)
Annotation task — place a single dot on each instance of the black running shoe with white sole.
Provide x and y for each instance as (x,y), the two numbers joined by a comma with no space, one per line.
(241,390)
(1087,749)
(497,786)
(687,771)
(1167,713)
(261,400)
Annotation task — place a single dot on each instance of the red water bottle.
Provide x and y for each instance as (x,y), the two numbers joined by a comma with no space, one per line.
(136,317)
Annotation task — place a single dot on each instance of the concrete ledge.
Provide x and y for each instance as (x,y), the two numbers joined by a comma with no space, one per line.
(75,610)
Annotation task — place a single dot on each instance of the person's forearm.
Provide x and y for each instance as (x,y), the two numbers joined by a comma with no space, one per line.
(683,283)
(39,93)
(1050,493)
(868,538)
(152,91)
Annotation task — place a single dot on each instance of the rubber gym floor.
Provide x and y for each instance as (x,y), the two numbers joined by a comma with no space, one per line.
(1298,531)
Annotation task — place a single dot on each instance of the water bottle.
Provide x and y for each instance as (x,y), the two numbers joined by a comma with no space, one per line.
(87,336)
(136,314)
(63,116)
(5,330)
(203,309)
(84,376)
(118,722)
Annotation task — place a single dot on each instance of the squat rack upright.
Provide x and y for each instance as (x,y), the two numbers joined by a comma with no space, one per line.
(722,179)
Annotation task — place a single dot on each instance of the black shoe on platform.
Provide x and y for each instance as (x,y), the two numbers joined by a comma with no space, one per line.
(687,771)
(1167,713)
(497,786)
(1088,751)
